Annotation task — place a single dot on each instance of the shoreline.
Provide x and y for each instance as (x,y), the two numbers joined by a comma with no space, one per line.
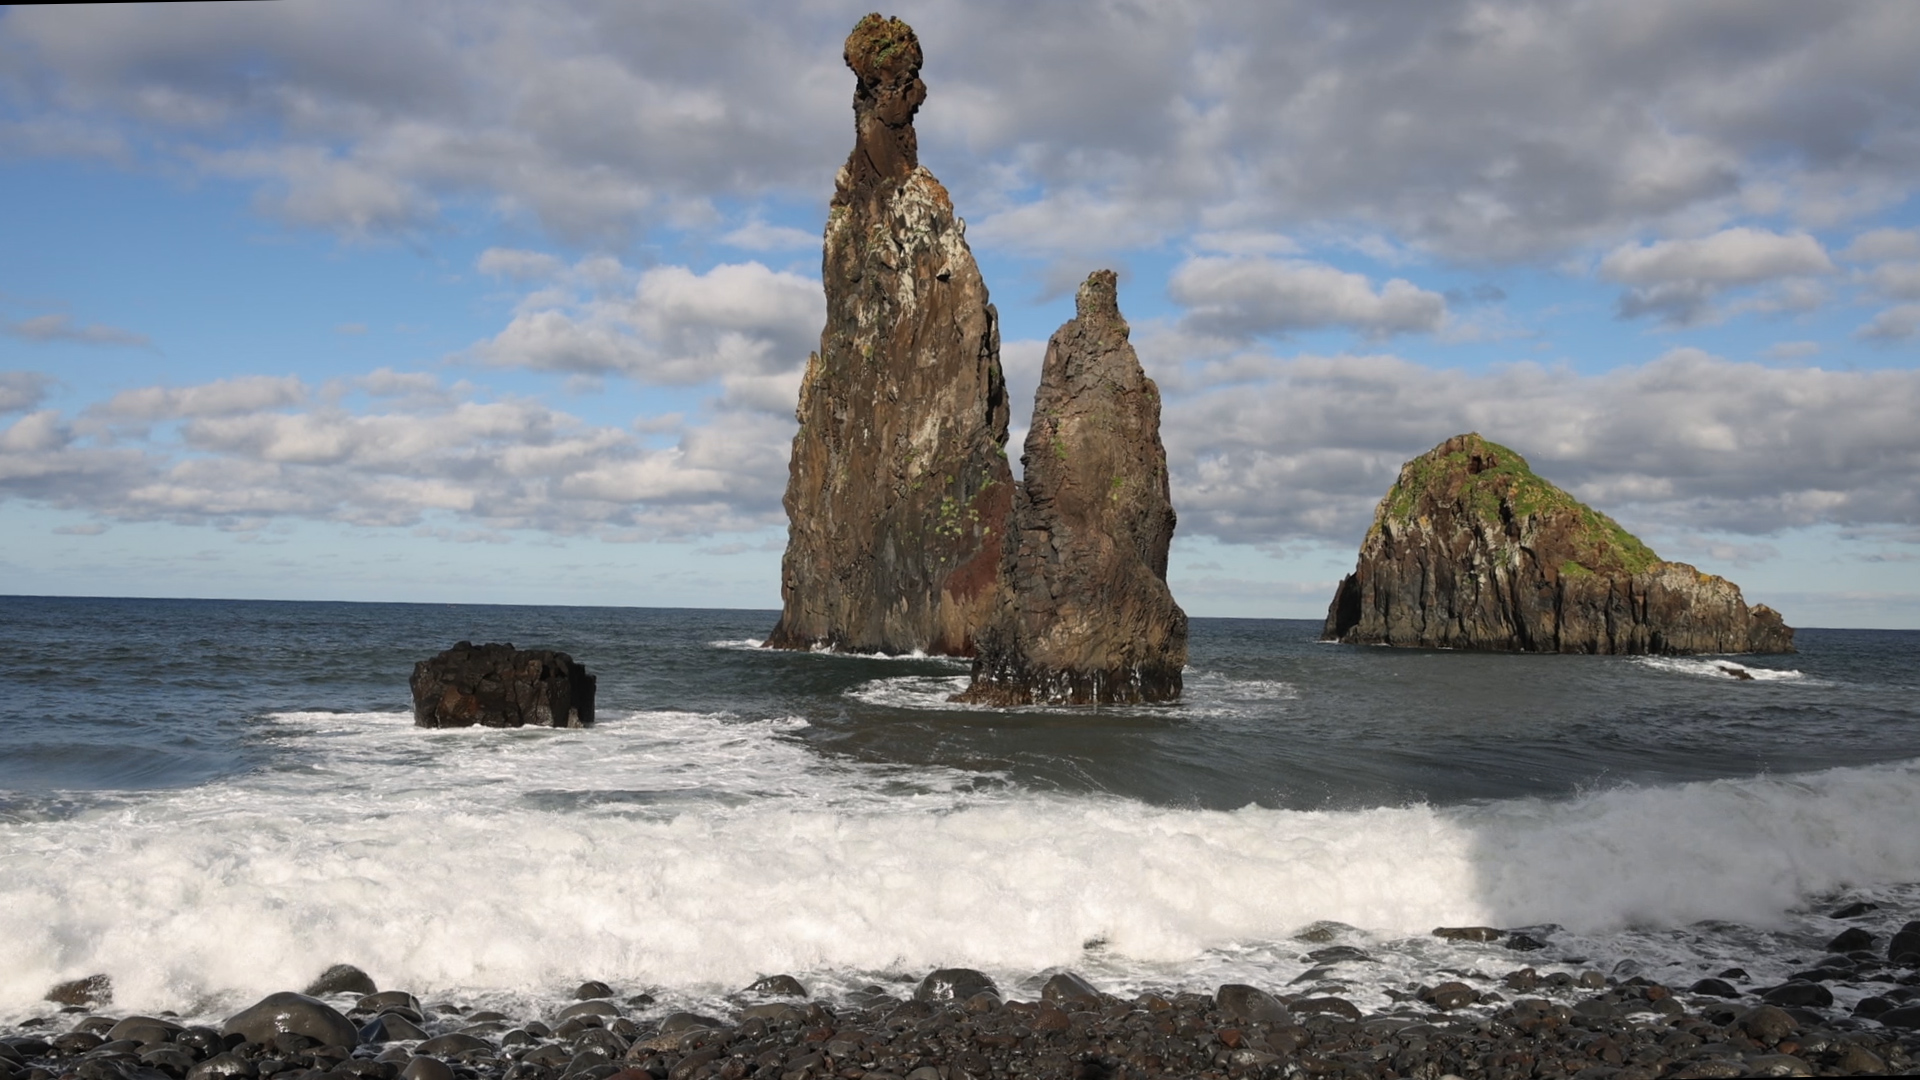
(956,1025)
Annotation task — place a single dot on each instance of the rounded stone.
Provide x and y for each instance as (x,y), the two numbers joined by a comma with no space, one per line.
(391,1001)
(595,1007)
(1850,939)
(676,1023)
(1068,987)
(592,988)
(1800,993)
(143,1029)
(452,1043)
(1719,988)
(226,1065)
(954,984)
(426,1068)
(293,1013)
(778,986)
(342,979)
(391,1027)
(1906,1016)
(1250,1003)
(1766,1024)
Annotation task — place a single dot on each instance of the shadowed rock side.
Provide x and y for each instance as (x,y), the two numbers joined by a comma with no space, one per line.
(1087,616)
(899,489)
(1471,550)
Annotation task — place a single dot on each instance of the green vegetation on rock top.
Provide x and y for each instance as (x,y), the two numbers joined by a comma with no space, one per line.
(1506,488)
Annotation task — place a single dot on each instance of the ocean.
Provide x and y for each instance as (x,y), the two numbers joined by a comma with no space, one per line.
(212,800)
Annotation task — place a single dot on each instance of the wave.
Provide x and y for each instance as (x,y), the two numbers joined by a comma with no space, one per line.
(1718,668)
(699,851)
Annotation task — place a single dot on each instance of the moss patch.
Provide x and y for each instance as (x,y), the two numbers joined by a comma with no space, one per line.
(1506,489)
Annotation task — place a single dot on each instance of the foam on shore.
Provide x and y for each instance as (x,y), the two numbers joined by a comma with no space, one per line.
(696,851)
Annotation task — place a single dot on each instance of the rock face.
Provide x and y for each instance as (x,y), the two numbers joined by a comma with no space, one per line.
(1471,550)
(501,686)
(1086,616)
(899,488)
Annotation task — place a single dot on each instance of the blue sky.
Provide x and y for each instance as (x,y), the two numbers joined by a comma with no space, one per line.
(507,303)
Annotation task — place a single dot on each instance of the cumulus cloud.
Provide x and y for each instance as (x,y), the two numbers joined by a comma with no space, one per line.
(1897,280)
(61,327)
(1480,129)
(1875,245)
(1687,442)
(220,398)
(1242,297)
(1898,323)
(673,326)
(1677,279)
(22,390)
(759,236)
(1793,350)
(243,452)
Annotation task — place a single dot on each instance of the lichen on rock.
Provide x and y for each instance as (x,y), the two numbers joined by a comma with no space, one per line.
(898,488)
(1470,549)
(1086,616)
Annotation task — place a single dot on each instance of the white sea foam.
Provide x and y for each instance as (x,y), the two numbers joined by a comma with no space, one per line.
(1206,694)
(698,851)
(1718,668)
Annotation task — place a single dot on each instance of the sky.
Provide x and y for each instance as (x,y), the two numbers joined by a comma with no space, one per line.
(507,303)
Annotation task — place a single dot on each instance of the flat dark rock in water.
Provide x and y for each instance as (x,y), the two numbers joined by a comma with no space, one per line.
(1854,910)
(1470,549)
(500,686)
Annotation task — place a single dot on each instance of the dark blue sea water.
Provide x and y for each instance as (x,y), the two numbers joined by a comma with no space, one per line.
(211,799)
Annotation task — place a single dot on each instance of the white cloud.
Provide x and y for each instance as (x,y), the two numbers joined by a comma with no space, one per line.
(247,452)
(1898,323)
(22,390)
(675,326)
(1876,245)
(1793,350)
(1490,129)
(757,235)
(1687,442)
(1736,256)
(519,265)
(220,398)
(61,327)
(1678,279)
(1247,296)
(1897,280)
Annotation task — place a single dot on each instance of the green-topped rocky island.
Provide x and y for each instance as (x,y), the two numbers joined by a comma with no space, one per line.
(1471,549)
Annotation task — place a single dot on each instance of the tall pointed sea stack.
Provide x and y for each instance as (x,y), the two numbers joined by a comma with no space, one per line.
(899,488)
(1471,550)
(1087,616)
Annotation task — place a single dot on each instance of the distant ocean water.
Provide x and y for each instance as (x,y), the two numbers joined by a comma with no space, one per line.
(211,800)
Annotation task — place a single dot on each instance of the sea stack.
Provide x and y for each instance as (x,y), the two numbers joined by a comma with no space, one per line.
(1086,616)
(1471,550)
(898,491)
